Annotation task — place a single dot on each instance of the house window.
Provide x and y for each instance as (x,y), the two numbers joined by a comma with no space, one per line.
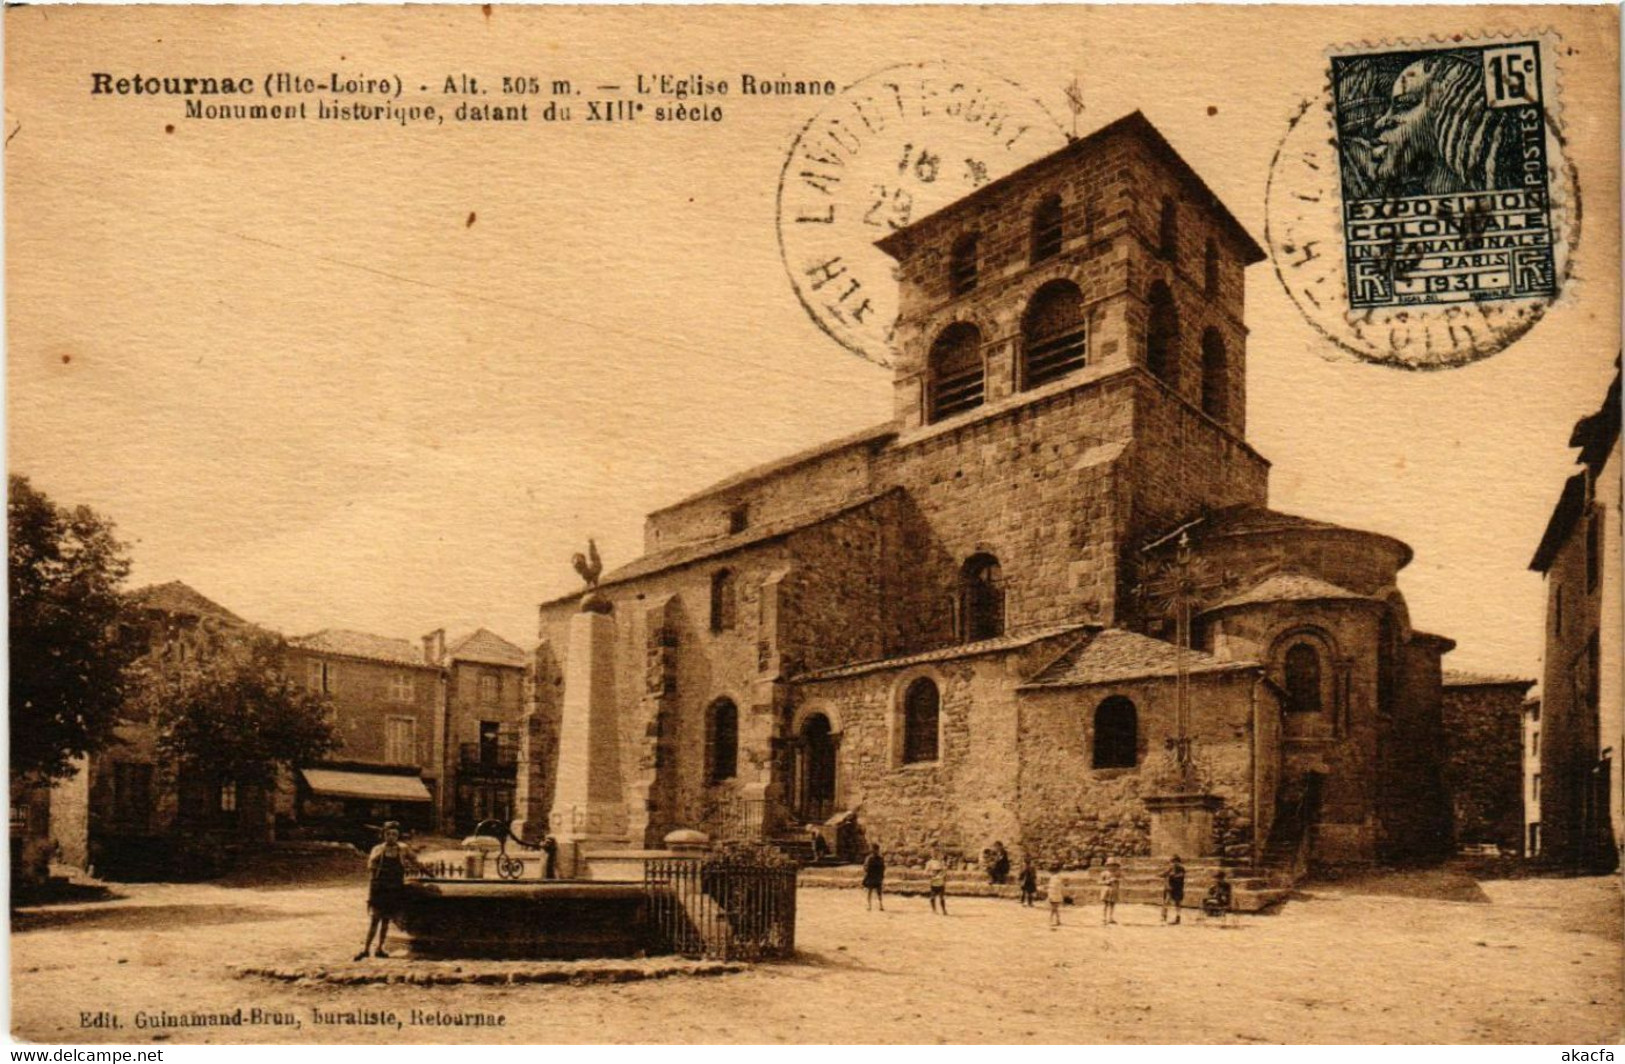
(1054,339)
(1557,610)
(1117,733)
(1534,744)
(1162,336)
(490,688)
(738,519)
(401,740)
(132,794)
(1168,230)
(1210,268)
(1534,840)
(1594,670)
(962,265)
(921,710)
(401,688)
(1593,552)
(228,796)
(1047,229)
(1534,787)
(1215,376)
(722,740)
(315,677)
(724,600)
(1302,679)
(981,598)
(956,371)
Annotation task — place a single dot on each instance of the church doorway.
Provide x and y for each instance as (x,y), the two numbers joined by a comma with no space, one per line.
(815,770)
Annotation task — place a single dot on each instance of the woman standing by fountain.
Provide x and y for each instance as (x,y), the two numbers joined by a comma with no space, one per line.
(387,866)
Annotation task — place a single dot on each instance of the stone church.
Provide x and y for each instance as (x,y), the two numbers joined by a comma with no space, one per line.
(1047,603)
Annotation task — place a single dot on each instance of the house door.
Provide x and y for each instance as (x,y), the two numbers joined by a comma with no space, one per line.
(815,770)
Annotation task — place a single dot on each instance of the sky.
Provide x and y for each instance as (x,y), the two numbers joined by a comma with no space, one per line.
(391,379)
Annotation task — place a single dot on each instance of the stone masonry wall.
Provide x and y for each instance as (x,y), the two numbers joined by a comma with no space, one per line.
(821,481)
(1035,489)
(1076,814)
(1483,771)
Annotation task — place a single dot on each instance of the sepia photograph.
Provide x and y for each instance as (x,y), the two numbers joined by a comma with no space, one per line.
(814,525)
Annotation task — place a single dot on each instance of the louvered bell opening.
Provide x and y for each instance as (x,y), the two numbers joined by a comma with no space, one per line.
(1054,357)
(957,393)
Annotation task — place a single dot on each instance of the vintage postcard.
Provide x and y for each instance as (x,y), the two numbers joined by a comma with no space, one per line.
(814,524)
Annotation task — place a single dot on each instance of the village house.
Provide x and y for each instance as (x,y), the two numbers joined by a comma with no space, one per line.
(1580,789)
(389,709)
(1013,610)
(127,812)
(485,699)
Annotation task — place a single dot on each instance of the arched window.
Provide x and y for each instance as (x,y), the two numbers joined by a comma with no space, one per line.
(1047,229)
(1168,230)
(1215,376)
(724,600)
(1054,338)
(962,265)
(1302,679)
(1117,733)
(956,377)
(722,740)
(921,708)
(1210,268)
(1162,336)
(981,598)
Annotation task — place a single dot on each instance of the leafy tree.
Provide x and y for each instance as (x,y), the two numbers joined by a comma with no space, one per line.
(231,712)
(68,660)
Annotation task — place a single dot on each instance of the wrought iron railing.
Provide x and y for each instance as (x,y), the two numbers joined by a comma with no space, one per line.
(732,906)
(499,756)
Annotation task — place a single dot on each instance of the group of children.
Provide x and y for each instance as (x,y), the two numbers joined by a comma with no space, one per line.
(1216,903)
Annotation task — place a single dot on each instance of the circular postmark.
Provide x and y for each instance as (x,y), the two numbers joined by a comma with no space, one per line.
(1421,212)
(888,150)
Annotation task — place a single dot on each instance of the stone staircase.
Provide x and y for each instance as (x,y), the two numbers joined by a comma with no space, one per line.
(1254,889)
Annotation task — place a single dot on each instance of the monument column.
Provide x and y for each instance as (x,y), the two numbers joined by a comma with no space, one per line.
(589,808)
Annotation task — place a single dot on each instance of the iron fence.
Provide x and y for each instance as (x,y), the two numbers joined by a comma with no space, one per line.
(724,906)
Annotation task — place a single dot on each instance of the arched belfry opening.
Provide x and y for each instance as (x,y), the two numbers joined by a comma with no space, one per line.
(1162,336)
(1054,337)
(956,375)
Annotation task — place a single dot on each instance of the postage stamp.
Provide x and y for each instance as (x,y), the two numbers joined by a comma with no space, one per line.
(1421,211)
(1442,157)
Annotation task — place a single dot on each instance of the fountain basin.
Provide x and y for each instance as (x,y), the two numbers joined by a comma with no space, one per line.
(517,920)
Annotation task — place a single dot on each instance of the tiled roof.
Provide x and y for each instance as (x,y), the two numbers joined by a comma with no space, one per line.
(350,644)
(1114,655)
(485,647)
(1291,587)
(689,553)
(177,597)
(1463,678)
(1009,641)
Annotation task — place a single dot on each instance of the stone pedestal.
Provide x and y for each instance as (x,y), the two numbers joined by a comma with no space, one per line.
(589,808)
(1182,824)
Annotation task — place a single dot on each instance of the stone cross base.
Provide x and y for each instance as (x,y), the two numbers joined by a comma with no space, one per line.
(1182,824)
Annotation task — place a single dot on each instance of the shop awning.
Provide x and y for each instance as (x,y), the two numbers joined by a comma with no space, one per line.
(373,786)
